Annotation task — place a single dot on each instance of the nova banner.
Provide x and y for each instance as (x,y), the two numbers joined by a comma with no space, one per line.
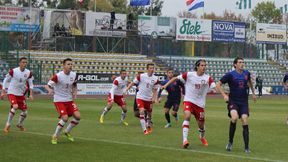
(271,33)
(227,31)
(19,19)
(194,29)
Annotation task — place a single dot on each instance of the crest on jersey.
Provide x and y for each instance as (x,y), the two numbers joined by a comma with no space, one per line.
(231,106)
(203,81)
(152,81)
(25,75)
(246,77)
(71,79)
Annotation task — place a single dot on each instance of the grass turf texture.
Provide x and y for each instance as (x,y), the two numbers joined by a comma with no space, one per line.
(112,141)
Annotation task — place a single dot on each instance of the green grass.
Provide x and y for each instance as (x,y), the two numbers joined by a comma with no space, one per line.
(114,142)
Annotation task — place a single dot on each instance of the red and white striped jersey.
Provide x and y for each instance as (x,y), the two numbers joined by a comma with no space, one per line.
(15,81)
(196,87)
(63,84)
(146,84)
(119,86)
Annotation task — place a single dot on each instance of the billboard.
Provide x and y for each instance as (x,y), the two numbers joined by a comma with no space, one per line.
(105,24)
(63,23)
(94,78)
(157,26)
(271,33)
(18,19)
(194,29)
(227,31)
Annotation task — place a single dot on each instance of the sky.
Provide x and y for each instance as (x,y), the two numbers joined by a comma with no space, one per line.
(173,7)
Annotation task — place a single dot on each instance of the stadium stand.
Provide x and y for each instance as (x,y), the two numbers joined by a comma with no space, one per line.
(217,67)
(51,62)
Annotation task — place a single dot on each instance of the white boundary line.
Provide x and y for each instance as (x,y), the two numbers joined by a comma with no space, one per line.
(165,148)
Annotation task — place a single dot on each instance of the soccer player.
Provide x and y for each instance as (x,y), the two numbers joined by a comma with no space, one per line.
(147,94)
(197,85)
(64,87)
(17,78)
(174,97)
(239,81)
(285,84)
(116,95)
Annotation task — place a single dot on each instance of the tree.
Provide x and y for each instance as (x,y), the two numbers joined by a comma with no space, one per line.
(119,6)
(266,12)
(157,6)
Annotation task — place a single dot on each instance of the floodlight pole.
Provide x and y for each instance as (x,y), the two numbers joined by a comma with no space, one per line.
(151,8)
(94,5)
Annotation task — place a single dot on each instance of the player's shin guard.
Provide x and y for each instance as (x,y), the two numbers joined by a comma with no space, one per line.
(246,136)
(59,127)
(232,132)
(10,116)
(105,111)
(201,132)
(142,122)
(123,115)
(185,127)
(71,125)
(167,117)
(22,117)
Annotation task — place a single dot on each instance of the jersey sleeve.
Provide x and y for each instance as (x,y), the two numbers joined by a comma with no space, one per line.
(53,80)
(225,78)
(7,79)
(137,79)
(30,81)
(211,83)
(183,77)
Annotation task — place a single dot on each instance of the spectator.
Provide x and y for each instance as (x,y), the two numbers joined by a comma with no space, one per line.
(259,85)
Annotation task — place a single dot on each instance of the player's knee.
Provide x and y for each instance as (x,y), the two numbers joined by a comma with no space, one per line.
(15,106)
(64,118)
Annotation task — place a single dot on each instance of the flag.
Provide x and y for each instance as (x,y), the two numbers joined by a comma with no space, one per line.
(194,4)
(139,2)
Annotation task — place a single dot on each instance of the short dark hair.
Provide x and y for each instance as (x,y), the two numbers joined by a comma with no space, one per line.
(65,60)
(236,60)
(169,69)
(22,58)
(197,63)
(150,64)
(122,70)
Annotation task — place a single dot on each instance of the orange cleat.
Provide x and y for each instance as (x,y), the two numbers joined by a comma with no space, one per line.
(149,129)
(185,144)
(6,129)
(204,141)
(21,127)
(146,132)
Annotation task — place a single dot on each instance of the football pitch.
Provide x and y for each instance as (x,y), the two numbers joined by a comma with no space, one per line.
(112,141)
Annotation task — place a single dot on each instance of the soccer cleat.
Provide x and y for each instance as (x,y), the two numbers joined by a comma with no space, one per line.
(168,125)
(204,141)
(247,151)
(185,144)
(149,129)
(124,123)
(229,146)
(101,119)
(54,140)
(21,127)
(6,128)
(69,137)
(146,132)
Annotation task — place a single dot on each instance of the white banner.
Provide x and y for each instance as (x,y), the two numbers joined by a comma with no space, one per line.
(194,29)
(157,26)
(271,33)
(101,24)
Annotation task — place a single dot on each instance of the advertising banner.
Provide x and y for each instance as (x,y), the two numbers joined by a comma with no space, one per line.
(194,29)
(63,23)
(226,31)
(271,33)
(157,26)
(19,19)
(94,78)
(105,24)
